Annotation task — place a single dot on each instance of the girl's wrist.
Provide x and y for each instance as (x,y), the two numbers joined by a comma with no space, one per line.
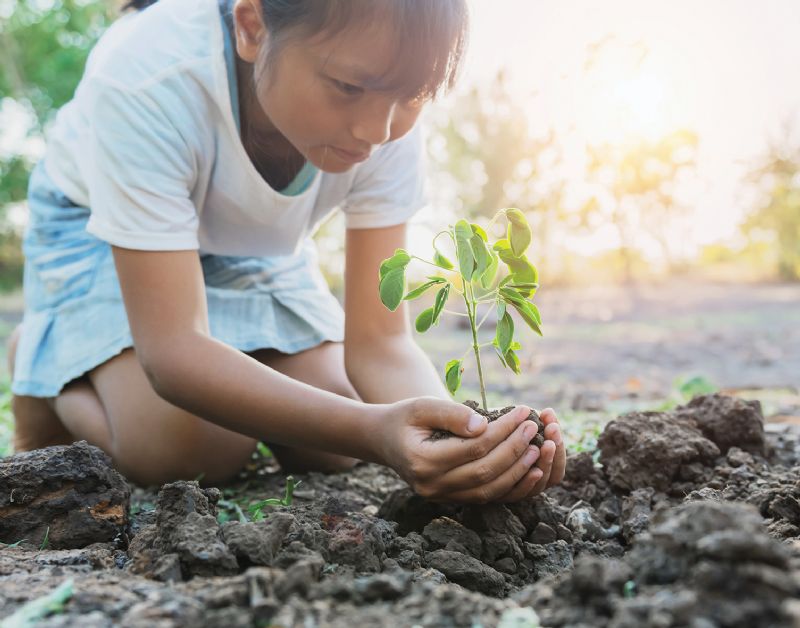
(373,422)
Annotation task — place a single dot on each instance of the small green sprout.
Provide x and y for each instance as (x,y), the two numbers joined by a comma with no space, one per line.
(474,279)
(256,510)
(629,589)
(263,450)
(31,612)
(227,506)
(15,544)
(46,539)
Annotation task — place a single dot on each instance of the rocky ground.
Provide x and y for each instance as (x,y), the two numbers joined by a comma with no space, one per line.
(689,517)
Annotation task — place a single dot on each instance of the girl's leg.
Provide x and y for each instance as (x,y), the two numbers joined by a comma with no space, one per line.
(152,441)
(36,423)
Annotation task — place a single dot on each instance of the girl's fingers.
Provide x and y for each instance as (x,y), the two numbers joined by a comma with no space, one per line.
(552,432)
(548,416)
(546,465)
(559,465)
(491,466)
(498,487)
(452,452)
(524,487)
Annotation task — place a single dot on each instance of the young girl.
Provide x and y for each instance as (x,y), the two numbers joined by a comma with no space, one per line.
(175,313)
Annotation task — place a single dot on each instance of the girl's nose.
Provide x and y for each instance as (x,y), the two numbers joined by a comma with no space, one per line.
(374,122)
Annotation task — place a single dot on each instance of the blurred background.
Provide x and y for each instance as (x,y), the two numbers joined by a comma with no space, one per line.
(654,147)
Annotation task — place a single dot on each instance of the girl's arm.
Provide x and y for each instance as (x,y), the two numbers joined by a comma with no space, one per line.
(165,300)
(383,361)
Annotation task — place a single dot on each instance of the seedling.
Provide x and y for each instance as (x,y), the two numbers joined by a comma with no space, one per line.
(31,612)
(256,509)
(475,280)
(15,544)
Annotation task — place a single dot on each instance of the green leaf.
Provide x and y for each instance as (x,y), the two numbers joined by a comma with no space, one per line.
(400,259)
(466,260)
(438,305)
(499,354)
(527,310)
(481,255)
(521,271)
(452,375)
(503,248)
(519,233)
(500,309)
(441,261)
(392,279)
(392,287)
(487,278)
(504,332)
(512,361)
(478,231)
(523,286)
(424,320)
(419,290)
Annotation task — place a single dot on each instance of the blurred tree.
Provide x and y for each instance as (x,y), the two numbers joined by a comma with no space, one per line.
(43,49)
(777,212)
(45,44)
(636,190)
(485,149)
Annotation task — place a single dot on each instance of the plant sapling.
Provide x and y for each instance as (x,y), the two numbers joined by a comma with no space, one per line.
(474,278)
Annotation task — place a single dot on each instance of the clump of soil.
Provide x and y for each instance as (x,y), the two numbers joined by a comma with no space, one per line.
(681,525)
(63,497)
(493,415)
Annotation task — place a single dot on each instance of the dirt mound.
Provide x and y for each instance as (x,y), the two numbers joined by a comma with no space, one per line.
(685,523)
(62,497)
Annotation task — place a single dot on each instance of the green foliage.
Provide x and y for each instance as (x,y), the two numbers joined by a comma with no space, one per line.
(234,507)
(629,589)
(256,510)
(777,212)
(684,389)
(45,46)
(30,613)
(635,189)
(477,270)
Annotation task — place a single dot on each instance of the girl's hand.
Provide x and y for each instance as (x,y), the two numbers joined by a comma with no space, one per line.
(552,462)
(480,464)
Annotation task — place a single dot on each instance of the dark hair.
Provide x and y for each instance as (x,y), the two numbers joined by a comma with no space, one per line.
(429,35)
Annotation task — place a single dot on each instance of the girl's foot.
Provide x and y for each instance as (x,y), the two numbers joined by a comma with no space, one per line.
(36,424)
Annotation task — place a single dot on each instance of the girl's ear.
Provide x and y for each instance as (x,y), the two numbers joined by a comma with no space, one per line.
(250,29)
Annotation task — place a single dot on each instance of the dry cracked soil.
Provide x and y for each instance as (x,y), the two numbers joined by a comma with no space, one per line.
(689,517)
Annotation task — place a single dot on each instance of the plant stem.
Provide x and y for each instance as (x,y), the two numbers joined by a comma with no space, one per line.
(470,301)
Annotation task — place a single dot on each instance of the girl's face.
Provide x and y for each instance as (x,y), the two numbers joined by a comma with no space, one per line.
(324,96)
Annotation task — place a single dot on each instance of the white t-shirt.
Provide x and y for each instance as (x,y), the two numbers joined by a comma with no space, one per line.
(149,143)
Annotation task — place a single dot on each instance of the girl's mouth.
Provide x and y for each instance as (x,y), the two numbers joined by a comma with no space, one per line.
(349,156)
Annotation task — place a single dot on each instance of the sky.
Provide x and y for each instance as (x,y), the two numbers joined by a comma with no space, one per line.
(727,69)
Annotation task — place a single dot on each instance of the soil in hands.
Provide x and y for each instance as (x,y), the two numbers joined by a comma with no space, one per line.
(493,415)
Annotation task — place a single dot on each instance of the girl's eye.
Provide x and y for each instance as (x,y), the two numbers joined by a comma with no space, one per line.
(347,88)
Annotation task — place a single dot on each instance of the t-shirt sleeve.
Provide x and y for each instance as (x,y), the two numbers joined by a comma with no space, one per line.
(389,187)
(139,172)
